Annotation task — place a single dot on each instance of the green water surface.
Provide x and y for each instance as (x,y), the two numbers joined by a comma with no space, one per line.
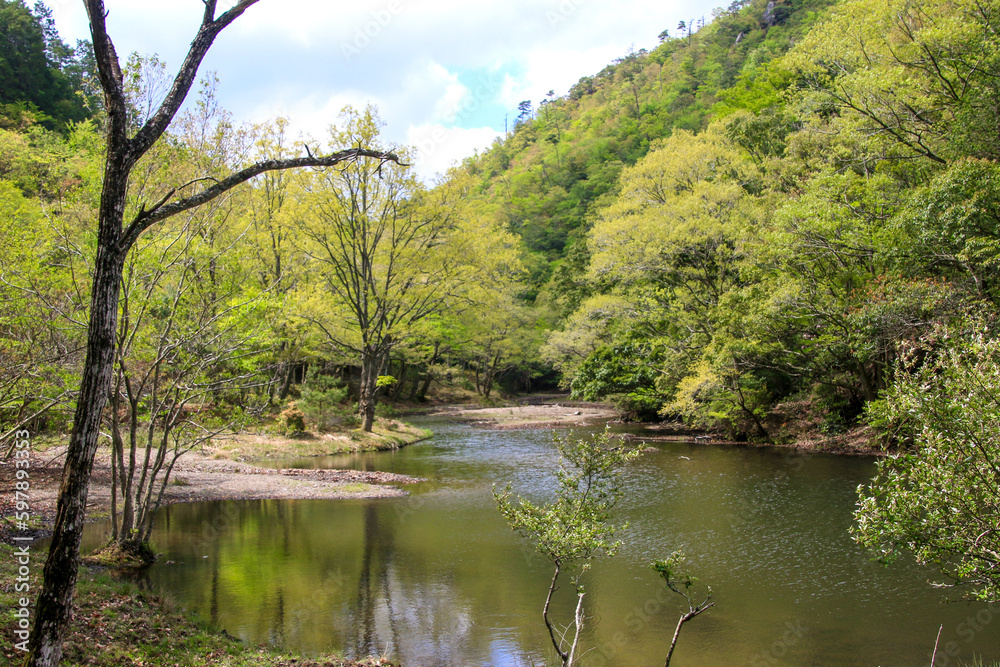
(438,579)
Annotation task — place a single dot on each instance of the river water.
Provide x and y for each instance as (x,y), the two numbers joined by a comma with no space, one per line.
(438,579)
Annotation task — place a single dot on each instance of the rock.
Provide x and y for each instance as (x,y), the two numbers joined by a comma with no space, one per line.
(768,19)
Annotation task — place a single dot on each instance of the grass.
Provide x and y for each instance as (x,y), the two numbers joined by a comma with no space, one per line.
(354,487)
(116,624)
(386,434)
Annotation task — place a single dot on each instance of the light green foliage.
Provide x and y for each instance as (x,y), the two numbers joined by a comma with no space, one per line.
(372,264)
(951,224)
(577,525)
(671,571)
(385,255)
(917,75)
(499,337)
(583,332)
(33,376)
(44,251)
(668,251)
(938,498)
(320,399)
(385,381)
(558,167)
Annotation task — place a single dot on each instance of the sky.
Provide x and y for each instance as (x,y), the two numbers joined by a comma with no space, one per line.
(446,75)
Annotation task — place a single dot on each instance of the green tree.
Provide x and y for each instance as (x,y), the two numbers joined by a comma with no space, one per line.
(280,265)
(498,337)
(125,148)
(577,526)
(191,325)
(38,315)
(32,64)
(372,255)
(387,255)
(920,75)
(190,331)
(667,247)
(938,498)
(952,225)
(670,570)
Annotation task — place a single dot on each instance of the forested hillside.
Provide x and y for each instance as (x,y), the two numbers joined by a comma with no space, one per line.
(564,156)
(744,227)
(737,228)
(42,79)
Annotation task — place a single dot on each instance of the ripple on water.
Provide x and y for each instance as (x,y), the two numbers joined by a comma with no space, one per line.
(439,578)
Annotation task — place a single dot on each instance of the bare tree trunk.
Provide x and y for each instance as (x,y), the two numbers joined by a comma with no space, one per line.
(491,374)
(373,363)
(428,378)
(55,602)
(577,627)
(545,616)
(397,390)
(691,613)
(366,398)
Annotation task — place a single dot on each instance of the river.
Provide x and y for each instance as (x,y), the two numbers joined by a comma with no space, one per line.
(438,578)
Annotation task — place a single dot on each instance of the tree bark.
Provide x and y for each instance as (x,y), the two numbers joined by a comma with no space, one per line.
(691,613)
(397,390)
(373,362)
(366,392)
(429,377)
(55,602)
(563,655)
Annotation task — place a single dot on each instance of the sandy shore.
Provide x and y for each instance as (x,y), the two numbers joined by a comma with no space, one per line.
(542,415)
(197,476)
(231,470)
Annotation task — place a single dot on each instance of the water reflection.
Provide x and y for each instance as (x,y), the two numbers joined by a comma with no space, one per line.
(438,578)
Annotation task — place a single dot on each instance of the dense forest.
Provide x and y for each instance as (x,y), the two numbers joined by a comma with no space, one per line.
(744,227)
(740,229)
(776,226)
(737,229)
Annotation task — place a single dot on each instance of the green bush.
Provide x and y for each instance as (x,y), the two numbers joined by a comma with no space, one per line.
(938,496)
(321,400)
(292,422)
(386,411)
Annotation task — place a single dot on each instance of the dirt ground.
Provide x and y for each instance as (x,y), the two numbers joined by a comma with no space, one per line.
(535,415)
(198,475)
(226,471)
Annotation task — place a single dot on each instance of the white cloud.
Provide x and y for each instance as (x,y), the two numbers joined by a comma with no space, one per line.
(451,103)
(439,147)
(305,59)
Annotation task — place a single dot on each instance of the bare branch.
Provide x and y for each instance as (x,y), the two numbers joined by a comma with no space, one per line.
(160,212)
(209,30)
(108,72)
